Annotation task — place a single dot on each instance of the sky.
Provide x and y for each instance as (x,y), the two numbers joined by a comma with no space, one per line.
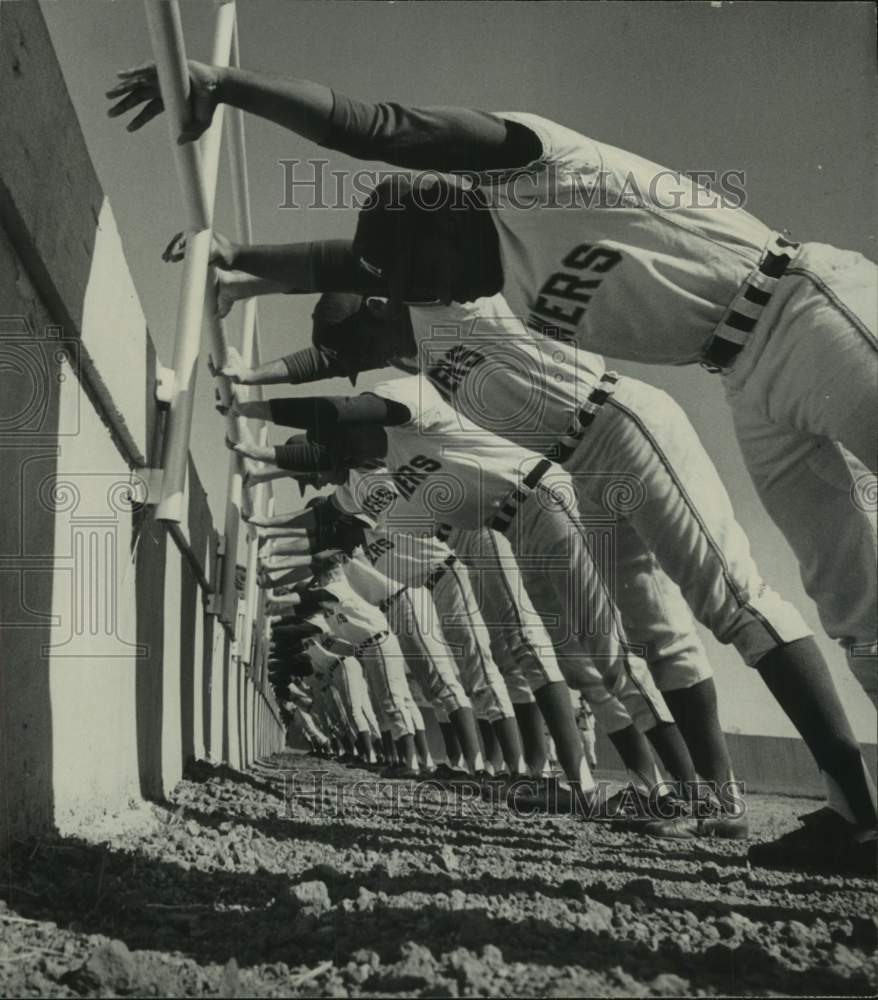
(785,92)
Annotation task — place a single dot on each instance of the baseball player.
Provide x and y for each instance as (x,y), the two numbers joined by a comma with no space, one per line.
(661,278)
(365,629)
(627,258)
(489,366)
(346,677)
(373,492)
(518,638)
(545,528)
(420,634)
(325,702)
(423,646)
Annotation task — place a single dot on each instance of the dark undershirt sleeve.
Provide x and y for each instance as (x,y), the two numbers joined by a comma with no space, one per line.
(312,364)
(302,456)
(323,416)
(438,138)
(335,268)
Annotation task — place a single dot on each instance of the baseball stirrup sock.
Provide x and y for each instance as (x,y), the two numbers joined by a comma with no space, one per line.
(452,746)
(506,731)
(554,702)
(533,736)
(388,746)
(364,746)
(467,733)
(670,748)
(633,747)
(695,711)
(489,742)
(423,749)
(407,752)
(798,677)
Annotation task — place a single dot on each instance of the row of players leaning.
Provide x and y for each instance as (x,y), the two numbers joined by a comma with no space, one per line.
(499,275)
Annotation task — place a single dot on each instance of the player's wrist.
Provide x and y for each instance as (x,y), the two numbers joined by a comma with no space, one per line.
(217,82)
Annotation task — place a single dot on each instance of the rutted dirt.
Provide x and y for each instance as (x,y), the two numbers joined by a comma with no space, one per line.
(283,882)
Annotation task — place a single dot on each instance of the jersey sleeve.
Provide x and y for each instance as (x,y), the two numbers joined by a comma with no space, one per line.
(557,144)
(415,394)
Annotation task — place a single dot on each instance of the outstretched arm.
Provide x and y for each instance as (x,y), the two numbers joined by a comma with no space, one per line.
(311,364)
(323,416)
(438,138)
(282,268)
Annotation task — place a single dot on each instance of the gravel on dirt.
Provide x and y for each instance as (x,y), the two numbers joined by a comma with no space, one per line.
(302,877)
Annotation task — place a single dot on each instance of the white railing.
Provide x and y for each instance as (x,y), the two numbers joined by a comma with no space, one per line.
(197,166)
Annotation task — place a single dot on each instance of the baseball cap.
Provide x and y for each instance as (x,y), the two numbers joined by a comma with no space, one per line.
(399,217)
(345,328)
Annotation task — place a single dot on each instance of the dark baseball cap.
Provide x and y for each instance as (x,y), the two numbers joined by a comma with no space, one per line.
(344,327)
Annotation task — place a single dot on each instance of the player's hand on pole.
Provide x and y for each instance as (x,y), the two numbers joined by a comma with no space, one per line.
(232,408)
(140,86)
(234,369)
(222,251)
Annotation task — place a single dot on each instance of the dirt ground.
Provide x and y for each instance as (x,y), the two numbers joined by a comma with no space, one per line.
(294,880)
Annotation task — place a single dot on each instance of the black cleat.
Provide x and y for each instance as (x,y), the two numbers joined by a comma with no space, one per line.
(825,843)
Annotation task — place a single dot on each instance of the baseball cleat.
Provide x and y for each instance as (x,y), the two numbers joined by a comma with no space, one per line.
(825,843)
(689,828)
(400,773)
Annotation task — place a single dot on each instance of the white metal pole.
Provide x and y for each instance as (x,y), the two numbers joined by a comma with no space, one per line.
(197,167)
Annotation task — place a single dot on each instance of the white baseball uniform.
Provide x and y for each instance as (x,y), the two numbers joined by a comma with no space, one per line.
(423,561)
(634,456)
(519,640)
(645,265)
(428,657)
(377,649)
(331,698)
(447,469)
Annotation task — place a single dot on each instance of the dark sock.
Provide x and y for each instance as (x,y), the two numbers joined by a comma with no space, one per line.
(533,735)
(695,711)
(422,746)
(467,733)
(633,747)
(449,738)
(406,751)
(797,676)
(506,731)
(554,702)
(389,748)
(667,741)
(489,742)
(364,745)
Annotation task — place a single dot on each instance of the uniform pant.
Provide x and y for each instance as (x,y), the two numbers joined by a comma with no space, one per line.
(413,620)
(802,393)
(655,615)
(384,667)
(464,628)
(670,492)
(310,728)
(351,684)
(519,641)
(551,545)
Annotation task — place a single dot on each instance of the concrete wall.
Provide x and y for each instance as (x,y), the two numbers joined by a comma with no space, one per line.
(776,764)
(112,672)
